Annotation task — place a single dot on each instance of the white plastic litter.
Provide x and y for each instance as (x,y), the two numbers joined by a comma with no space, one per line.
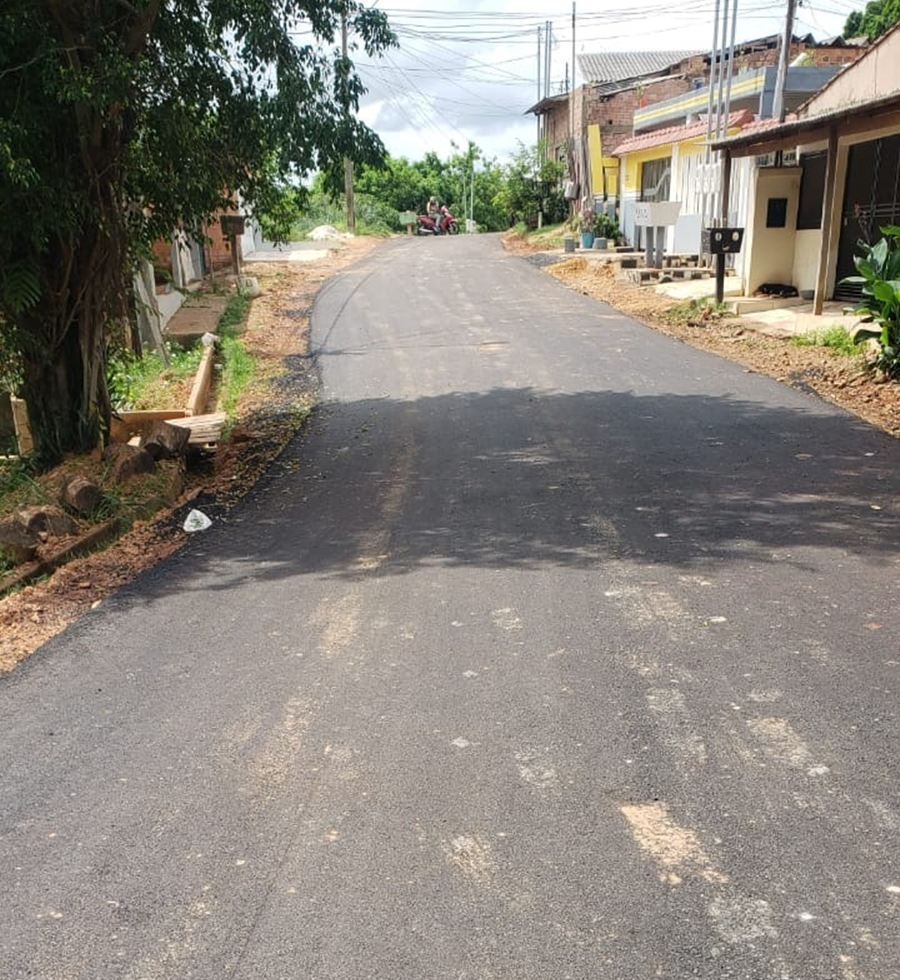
(196,521)
(209,339)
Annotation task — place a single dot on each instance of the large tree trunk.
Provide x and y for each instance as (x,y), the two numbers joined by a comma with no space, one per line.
(64,338)
(65,343)
(67,397)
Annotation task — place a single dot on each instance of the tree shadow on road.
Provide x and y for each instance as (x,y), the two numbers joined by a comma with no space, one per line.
(522,478)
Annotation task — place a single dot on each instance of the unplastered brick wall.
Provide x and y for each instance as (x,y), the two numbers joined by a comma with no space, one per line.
(766,56)
(614,114)
(216,250)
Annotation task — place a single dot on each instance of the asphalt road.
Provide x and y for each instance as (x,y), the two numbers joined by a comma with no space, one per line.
(554,650)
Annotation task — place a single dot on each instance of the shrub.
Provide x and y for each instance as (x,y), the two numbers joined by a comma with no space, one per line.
(878,266)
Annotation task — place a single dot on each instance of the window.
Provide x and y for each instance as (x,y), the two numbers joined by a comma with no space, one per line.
(655,180)
(812,191)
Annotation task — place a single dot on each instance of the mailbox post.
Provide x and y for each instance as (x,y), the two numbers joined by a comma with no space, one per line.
(233,225)
(721,242)
(656,216)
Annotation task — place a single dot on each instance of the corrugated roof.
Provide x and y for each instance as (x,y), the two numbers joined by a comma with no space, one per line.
(616,66)
(677,134)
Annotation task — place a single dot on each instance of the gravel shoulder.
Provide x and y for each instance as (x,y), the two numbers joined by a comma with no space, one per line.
(847,381)
(271,412)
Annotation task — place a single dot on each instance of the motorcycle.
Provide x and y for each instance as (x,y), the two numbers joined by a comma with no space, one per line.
(448,225)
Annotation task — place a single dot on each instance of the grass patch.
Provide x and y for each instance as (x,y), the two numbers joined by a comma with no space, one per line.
(696,313)
(550,236)
(19,486)
(836,339)
(239,366)
(137,383)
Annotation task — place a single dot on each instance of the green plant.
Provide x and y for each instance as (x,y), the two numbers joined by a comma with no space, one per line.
(17,476)
(834,338)
(606,227)
(134,381)
(106,146)
(878,266)
(239,365)
(18,485)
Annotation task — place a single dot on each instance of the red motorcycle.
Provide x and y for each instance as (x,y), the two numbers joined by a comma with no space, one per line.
(448,225)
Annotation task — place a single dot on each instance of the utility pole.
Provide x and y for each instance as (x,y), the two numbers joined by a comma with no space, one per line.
(539,89)
(348,163)
(784,56)
(572,93)
(548,36)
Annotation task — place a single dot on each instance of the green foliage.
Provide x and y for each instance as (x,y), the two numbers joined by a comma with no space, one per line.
(234,314)
(133,381)
(606,227)
(876,19)
(835,339)
(239,368)
(238,365)
(17,480)
(878,266)
(403,186)
(532,185)
(120,121)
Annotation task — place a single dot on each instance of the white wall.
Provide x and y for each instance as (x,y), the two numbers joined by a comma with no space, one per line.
(806,258)
(875,74)
(770,251)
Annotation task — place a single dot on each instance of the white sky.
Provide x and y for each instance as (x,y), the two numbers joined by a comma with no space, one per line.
(467,70)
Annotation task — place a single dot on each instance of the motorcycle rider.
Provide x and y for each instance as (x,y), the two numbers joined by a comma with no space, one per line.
(433,210)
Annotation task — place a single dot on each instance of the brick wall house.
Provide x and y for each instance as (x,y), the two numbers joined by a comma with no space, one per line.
(601,112)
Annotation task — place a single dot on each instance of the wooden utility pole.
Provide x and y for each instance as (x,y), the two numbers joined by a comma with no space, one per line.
(348,163)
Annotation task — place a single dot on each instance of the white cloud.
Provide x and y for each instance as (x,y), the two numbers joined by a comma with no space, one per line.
(467,70)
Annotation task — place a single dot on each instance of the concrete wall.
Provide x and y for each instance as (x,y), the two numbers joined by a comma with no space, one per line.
(806,258)
(875,74)
(770,251)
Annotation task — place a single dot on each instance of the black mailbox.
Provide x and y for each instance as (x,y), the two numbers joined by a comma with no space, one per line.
(720,241)
(232,224)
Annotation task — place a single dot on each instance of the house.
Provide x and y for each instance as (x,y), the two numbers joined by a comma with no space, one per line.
(672,165)
(581,128)
(842,181)
(675,164)
(621,88)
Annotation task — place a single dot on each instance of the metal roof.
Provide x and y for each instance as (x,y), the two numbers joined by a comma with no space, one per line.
(617,66)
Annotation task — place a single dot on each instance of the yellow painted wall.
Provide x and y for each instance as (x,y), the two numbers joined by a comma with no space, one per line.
(741,87)
(595,155)
(634,162)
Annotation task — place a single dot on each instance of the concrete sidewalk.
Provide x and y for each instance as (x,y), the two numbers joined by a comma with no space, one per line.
(771,316)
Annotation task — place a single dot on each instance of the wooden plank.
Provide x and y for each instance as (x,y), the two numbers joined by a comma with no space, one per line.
(205,429)
(23,429)
(124,425)
(202,383)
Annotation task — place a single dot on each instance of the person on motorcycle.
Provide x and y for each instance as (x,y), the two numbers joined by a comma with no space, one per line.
(433,210)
